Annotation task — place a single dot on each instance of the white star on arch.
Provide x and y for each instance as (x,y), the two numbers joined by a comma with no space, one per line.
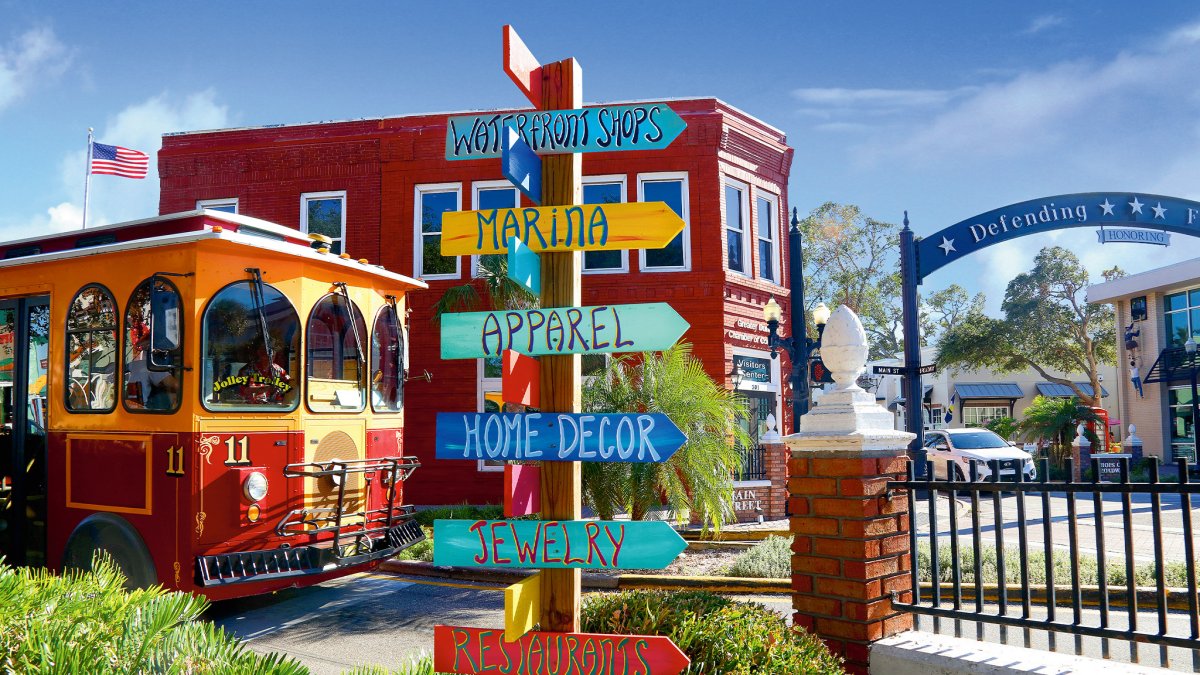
(947,245)
(1159,211)
(1107,208)
(1136,205)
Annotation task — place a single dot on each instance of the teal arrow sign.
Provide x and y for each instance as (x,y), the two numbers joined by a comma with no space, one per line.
(562,330)
(559,437)
(524,266)
(585,544)
(645,126)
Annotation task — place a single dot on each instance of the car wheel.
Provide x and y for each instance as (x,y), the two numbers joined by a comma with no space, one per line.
(958,474)
(116,537)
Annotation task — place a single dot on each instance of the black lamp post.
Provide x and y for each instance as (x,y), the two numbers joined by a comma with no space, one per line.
(799,346)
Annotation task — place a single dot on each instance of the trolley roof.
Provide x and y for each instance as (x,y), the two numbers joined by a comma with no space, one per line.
(178,228)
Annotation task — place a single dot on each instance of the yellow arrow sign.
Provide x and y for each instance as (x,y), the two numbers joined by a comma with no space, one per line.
(589,227)
(522,607)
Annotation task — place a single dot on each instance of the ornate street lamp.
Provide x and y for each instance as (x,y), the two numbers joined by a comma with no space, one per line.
(799,348)
(1190,348)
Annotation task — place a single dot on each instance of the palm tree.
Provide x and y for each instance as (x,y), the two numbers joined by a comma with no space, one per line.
(1056,419)
(699,476)
(499,292)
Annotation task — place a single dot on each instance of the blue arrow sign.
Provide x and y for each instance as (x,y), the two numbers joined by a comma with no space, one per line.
(558,437)
(524,266)
(586,544)
(521,165)
(653,326)
(645,126)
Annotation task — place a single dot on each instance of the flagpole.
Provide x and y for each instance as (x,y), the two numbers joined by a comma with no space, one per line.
(87,180)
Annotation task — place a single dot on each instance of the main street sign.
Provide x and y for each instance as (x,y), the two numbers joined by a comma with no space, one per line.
(899,370)
(559,437)
(643,126)
(588,227)
(476,650)
(552,544)
(603,329)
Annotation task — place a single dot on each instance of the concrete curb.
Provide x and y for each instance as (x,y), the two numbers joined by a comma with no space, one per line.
(595,581)
(734,535)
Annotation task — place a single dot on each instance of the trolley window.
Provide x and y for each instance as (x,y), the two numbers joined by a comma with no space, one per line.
(251,349)
(153,372)
(92,351)
(336,362)
(387,361)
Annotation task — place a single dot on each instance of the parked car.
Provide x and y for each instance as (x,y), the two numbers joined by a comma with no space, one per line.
(957,447)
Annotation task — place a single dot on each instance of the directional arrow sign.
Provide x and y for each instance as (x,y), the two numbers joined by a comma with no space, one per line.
(522,490)
(524,266)
(558,437)
(520,379)
(522,607)
(603,329)
(551,544)
(590,227)
(477,650)
(522,66)
(521,165)
(644,126)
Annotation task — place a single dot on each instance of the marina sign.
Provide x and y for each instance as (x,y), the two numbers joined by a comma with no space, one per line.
(552,544)
(644,126)
(558,437)
(589,227)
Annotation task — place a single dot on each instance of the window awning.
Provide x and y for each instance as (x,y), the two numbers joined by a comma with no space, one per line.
(1174,364)
(927,395)
(1056,390)
(1009,390)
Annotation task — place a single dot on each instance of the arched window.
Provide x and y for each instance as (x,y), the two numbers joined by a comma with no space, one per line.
(92,351)
(387,362)
(250,349)
(336,362)
(153,369)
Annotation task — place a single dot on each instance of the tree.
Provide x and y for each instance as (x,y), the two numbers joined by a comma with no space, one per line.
(947,308)
(1056,419)
(852,259)
(1048,325)
(699,476)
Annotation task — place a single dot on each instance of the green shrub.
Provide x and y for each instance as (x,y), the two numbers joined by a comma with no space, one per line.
(460,512)
(770,559)
(86,622)
(1089,568)
(422,550)
(719,635)
(420,664)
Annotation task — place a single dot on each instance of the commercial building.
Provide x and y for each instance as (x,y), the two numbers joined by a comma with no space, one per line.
(1157,312)
(377,187)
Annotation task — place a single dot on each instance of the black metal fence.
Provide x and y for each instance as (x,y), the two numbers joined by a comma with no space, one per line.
(1041,585)
(754,464)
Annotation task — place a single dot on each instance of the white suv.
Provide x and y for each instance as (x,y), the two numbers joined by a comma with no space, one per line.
(957,447)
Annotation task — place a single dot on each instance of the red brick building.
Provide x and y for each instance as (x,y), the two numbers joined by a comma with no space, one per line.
(378,187)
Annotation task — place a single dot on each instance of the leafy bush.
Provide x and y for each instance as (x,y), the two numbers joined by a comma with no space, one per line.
(460,512)
(770,559)
(718,634)
(86,622)
(422,550)
(1089,568)
(421,664)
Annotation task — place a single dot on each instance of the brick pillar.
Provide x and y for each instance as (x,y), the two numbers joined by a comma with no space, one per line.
(851,549)
(777,473)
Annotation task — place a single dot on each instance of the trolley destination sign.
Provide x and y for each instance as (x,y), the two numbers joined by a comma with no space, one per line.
(644,126)
(589,227)
(552,544)
(602,329)
(478,650)
(559,437)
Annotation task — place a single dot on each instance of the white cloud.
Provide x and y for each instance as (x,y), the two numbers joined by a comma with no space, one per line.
(1043,22)
(31,59)
(112,199)
(887,98)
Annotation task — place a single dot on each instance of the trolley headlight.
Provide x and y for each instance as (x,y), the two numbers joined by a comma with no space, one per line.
(255,486)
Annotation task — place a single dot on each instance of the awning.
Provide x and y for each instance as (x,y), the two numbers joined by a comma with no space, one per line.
(1056,390)
(1009,390)
(1174,364)
(927,395)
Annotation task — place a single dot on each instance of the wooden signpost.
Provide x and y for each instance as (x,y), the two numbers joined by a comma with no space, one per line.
(524,266)
(521,165)
(558,437)
(552,544)
(603,329)
(476,650)
(579,227)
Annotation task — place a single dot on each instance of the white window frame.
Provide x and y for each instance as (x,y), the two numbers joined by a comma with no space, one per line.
(773,386)
(486,385)
(623,180)
(418,236)
(476,187)
(747,258)
(331,194)
(776,234)
(681,176)
(1007,412)
(214,203)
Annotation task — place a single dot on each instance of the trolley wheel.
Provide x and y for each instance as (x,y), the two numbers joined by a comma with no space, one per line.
(120,540)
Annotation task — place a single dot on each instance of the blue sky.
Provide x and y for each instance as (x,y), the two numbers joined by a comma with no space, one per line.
(947,110)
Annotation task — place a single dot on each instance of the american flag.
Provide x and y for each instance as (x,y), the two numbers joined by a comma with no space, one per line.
(113,160)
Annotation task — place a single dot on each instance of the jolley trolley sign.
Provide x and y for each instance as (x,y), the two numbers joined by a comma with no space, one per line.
(559,544)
